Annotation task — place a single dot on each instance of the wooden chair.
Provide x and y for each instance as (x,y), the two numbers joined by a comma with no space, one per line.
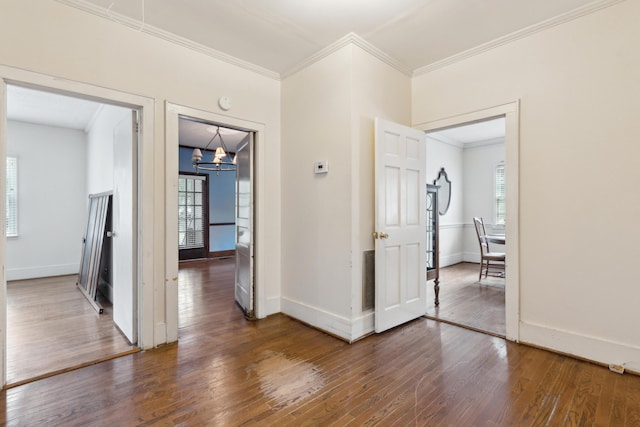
(491,263)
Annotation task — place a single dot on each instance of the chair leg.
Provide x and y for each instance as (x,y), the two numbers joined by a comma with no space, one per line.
(480,275)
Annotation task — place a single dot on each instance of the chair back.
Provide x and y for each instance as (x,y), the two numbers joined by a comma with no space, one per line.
(482,236)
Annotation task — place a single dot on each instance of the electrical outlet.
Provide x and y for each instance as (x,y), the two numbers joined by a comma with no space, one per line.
(618,369)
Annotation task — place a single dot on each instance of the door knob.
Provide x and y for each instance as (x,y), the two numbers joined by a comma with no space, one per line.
(380,235)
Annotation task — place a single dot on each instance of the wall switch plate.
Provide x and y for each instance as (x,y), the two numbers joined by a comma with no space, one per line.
(321,167)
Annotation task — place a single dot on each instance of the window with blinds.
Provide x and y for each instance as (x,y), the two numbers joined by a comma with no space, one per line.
(190,212)
(499,195)
(12,197)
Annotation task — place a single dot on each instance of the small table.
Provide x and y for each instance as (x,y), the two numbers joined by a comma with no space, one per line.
(499,239)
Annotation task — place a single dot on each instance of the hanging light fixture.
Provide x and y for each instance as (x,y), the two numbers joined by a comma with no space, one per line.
(221,161)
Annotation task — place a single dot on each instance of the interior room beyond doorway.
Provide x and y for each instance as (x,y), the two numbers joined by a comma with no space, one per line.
(473,155)
(65,150)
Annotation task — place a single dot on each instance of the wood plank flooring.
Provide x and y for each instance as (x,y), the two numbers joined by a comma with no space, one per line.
(465,301)
(51,327)
(227,371)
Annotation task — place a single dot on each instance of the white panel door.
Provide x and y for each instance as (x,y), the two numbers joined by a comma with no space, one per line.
(400,221)
(125,142)
(244,229)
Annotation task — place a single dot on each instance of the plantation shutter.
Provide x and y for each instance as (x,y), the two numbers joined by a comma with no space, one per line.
(500,195)
(12,197)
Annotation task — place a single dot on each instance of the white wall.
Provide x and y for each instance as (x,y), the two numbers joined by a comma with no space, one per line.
(579,91)
(479,181)
(328,114)
(89,49)
(51,200)
(449,156)
(100,148)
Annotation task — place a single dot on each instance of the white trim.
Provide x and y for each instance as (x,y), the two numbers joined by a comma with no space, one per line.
(172,113)
(351,38)
(517,35)
(482,144)
(451,259)
(495,207)
(593,348)
(147,270)
(319,318)
(42,271)
(118,18)
(511,112)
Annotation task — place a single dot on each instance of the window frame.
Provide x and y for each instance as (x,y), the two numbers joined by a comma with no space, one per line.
(11,206)
(497,222)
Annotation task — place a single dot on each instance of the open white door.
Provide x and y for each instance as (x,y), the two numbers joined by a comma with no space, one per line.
(244,228)
(124,256)
(400,221)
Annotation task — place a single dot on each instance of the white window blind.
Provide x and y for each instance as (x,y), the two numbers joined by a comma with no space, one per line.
(499,195)
(12,197)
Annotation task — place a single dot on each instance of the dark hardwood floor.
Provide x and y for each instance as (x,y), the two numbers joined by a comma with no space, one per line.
(51,327)
(465,301)
(227,371)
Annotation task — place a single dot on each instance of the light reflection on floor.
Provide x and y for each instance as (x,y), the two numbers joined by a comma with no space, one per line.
(286,379)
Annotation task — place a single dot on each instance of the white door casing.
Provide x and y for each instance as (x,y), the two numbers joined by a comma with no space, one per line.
(400,221)
(146,267)
(511,113)
(124,217)
(244,291)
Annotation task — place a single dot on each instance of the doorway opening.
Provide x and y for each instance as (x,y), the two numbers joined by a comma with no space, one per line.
(511,114)
(240,212)
(68,147)
(473,155)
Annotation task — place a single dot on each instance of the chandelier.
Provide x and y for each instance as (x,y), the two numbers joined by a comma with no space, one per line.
(221,161)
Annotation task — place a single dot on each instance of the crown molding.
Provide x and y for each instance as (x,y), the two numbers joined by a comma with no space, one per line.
(484,143)
(142,27)
(444,140)
(350,38)
(517,35)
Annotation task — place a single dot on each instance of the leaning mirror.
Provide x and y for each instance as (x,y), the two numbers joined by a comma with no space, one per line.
(444,192)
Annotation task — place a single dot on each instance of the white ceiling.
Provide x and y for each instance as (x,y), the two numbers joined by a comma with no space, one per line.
(45,108)
(279,34)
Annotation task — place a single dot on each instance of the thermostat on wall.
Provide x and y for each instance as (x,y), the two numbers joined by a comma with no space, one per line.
(321,167)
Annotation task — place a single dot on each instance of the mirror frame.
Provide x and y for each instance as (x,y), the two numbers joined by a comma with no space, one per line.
(443,181)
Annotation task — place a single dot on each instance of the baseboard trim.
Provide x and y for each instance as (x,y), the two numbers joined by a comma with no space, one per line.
(273,306)
(221,254)
(328,322)
(598,350)
(451,259)
(44,271)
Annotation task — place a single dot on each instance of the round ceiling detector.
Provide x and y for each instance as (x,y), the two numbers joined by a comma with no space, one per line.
(224,102)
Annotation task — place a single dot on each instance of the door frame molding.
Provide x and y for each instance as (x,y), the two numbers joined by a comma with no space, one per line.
(145,269)
(172,113)
(511,113)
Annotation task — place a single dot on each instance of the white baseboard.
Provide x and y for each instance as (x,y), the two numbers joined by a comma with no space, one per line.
(471,257)
(160,334)
(451,259)
(329,322)
(272,306)
(587,347)
(42,271)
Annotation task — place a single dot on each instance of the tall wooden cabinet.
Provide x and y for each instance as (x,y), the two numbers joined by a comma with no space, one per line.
(433,263)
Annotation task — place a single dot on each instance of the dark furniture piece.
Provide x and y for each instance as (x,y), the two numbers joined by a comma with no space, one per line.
(491,263)
(433,263)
